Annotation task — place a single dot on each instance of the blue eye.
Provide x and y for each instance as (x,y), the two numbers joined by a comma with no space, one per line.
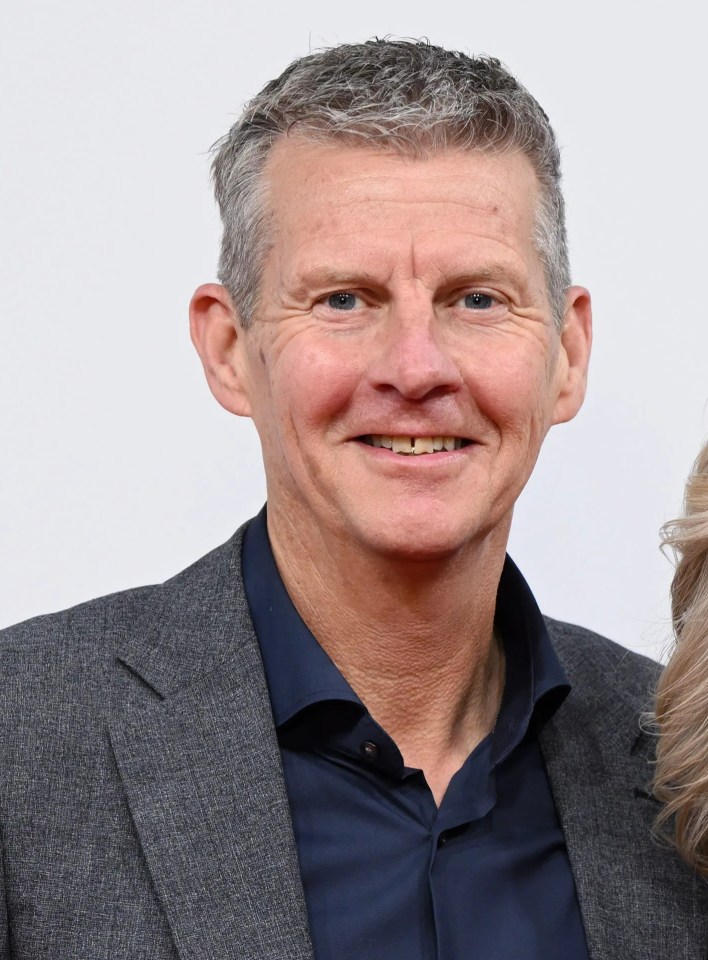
(341,301)
(479,301)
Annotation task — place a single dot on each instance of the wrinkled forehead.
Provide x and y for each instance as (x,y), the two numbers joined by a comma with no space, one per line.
(300,167)
(333,196)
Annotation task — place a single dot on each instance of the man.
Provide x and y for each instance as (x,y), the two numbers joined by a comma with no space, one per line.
(348,732)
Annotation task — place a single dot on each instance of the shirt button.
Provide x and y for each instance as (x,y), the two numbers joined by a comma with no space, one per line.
(369,749)
(442,839)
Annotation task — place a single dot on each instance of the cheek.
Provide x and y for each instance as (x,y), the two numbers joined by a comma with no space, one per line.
(515,393)
(312,385)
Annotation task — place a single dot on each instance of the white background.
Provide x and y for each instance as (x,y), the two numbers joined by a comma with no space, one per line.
(118,468)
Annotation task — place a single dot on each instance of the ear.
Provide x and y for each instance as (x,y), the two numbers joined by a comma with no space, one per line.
(574,355)
(217,335)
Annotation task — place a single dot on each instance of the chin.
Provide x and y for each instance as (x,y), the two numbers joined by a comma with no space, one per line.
(419,541)
(427,530)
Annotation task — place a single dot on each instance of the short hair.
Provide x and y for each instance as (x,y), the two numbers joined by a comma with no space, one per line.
(404,95)
(681,776)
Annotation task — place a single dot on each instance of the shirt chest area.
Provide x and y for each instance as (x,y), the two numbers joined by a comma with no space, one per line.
(388,874)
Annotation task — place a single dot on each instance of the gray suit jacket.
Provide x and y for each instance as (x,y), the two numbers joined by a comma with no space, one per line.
(143,812)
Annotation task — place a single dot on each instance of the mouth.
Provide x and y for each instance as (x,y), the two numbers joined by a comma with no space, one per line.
(414,446)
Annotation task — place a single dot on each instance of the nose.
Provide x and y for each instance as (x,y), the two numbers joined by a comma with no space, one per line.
(413,358)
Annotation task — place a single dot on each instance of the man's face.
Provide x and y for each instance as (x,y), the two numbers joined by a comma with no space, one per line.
(403,301)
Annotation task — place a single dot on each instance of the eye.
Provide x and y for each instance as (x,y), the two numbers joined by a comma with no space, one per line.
(342,301)
(479,301)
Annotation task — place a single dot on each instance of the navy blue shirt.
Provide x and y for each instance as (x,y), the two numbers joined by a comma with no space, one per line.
(387,874)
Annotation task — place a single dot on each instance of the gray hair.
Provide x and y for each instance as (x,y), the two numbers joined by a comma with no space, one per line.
(403,95)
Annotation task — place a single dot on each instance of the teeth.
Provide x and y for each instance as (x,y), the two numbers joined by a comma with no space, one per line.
(423,445)
(402,445)
(415,446)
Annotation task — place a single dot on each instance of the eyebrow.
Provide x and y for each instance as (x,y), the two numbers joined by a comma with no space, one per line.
(338,279)
(500,272)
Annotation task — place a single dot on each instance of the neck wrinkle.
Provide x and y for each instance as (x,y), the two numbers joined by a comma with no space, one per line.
(414,640)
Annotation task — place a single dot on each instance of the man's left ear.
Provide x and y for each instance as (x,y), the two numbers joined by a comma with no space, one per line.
(574,354)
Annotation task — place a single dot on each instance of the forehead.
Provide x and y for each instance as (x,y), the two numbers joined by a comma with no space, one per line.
(318,186)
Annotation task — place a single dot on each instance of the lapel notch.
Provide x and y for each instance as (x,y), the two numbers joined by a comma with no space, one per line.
(201,769)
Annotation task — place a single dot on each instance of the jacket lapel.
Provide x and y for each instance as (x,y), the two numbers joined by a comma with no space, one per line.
(198,757)
(636,897)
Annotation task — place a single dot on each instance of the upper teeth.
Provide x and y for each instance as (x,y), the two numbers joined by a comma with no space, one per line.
(415,445)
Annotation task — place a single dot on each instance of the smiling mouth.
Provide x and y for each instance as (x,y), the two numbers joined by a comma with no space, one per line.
(414,446)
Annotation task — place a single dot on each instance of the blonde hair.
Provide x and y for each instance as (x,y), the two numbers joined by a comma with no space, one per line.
(681,778)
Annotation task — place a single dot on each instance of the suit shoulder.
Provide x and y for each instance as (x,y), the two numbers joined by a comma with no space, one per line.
(93,630)
(588,657)
(85,623)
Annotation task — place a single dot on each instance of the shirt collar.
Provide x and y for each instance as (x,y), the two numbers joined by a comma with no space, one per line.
(300,673)
(535,683)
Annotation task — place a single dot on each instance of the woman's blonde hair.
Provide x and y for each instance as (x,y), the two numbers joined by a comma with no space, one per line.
(681,779)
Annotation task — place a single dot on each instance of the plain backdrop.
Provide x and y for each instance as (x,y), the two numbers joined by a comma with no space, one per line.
(118,467)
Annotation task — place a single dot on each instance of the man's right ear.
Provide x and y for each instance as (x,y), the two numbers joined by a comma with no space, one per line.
(217,335)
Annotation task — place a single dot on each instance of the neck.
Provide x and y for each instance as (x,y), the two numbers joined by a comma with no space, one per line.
(414,639)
